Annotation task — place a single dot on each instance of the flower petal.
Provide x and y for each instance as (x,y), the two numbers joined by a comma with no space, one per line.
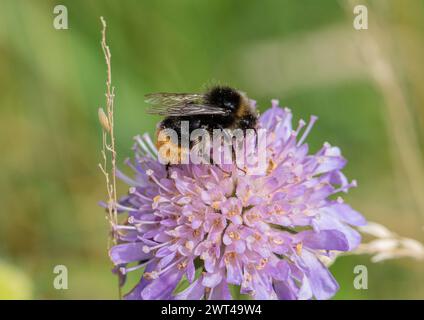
(195,291)
(128,252)
(321,282)
(162,287)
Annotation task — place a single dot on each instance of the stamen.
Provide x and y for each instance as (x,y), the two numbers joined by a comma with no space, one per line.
(155,274)
(300,126)
(353,184)
(134,191)
(126,179)
(234,235)
(143,146)
(189,245)
(308,129)
(125,208)
(215,205)
(147,249)
(262,264)
(182,265)
(146,138)
(230,256)
(278,241)
(121,227)
(299,248)
(275,103)
(128,162)
(124,270)
(214,174)
(150,173)
(135,221)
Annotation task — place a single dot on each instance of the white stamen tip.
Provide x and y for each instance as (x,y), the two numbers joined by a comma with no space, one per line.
(149,172)
(146,249)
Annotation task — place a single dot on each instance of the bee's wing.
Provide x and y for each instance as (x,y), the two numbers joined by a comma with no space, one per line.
(180,104)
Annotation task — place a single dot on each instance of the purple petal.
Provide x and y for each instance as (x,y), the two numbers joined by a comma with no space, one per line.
(220,292)
(321,282)
(128,252)
(193,292)
(345,213)
(191,270)
(281,271)
(211,280)
(135,293)
(162,287)
(285,290)
(234,271)
(327,222)
(324,240)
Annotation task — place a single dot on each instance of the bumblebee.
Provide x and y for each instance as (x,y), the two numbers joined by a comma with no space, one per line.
(221,107)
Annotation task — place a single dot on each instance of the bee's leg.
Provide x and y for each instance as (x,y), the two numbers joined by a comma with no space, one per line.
(217,166)
(256,137)
(222,170)
(244,171)
(235,159)
(167,166)
(213,160)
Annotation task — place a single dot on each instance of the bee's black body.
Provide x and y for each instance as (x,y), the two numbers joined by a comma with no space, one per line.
(238,113)
(219,108)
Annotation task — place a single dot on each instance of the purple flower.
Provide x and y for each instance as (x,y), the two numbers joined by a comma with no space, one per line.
(264,234)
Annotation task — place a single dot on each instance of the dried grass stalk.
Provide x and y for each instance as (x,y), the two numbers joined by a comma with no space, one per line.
(108,166)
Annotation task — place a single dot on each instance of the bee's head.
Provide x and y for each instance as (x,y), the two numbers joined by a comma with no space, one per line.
(248,121)
(224,97)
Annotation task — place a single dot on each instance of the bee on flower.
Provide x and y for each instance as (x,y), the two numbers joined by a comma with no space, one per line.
(264,233)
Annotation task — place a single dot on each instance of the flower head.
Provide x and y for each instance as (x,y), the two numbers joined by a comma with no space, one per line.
(264,234)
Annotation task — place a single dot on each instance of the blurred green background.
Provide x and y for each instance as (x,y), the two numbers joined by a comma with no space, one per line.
(367,87)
